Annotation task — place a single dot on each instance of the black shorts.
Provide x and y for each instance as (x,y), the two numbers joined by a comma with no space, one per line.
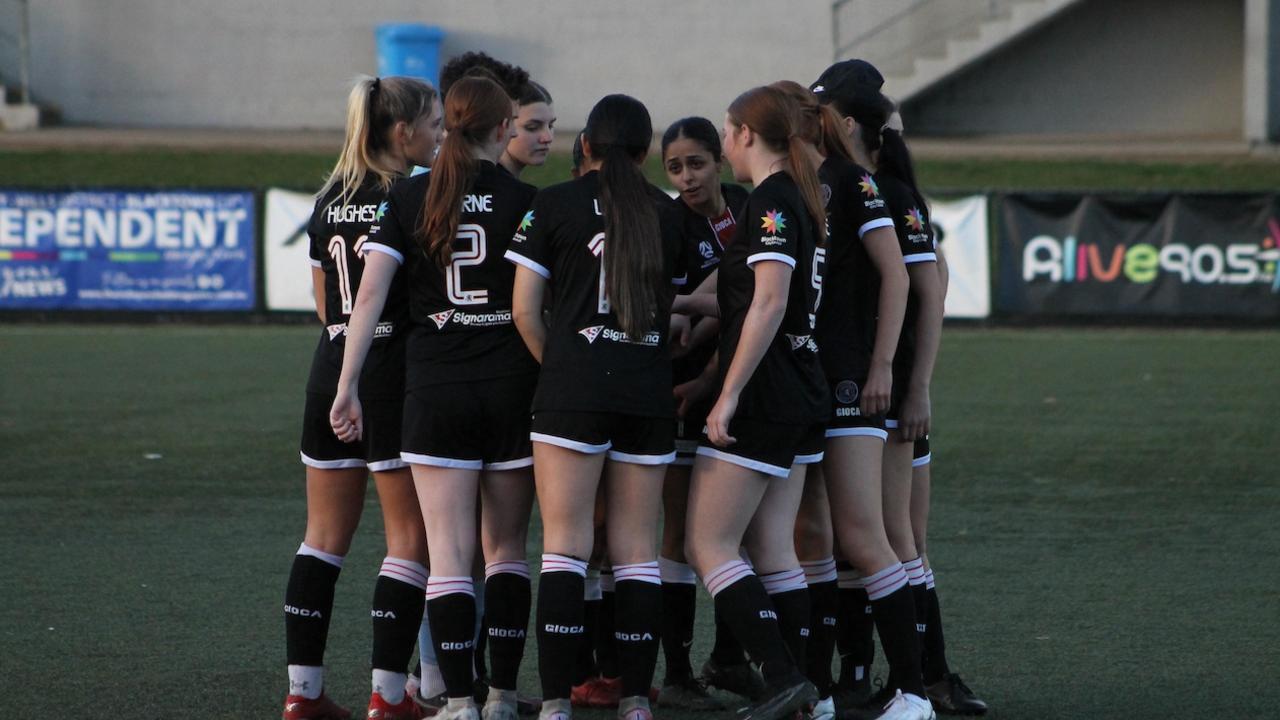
(470,425)
(626,438)
(846,417)
(770,448)
(689,432)
(921,455)
(378,450)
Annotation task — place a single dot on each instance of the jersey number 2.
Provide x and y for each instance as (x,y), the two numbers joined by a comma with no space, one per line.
(338,251)
(470,251)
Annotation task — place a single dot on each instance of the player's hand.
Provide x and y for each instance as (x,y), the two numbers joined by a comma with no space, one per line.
(718,420)
(914,421)
(877,391)
(346,417)
(678,341)
(688,393)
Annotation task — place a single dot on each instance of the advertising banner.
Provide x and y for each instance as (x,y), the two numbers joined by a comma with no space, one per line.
(286,251)
(962,231)
(105,250)
(1156,255)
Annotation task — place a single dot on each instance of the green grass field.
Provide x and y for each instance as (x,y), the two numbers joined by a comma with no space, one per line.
(1104,522)
(306,171)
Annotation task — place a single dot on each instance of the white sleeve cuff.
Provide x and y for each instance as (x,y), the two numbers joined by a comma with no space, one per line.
(533,265)
(870,225)
(920,257)
(777,257)
(385,250)
(315,263)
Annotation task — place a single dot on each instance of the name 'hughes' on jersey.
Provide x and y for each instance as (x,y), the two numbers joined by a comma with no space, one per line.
(461,314)
(589,364)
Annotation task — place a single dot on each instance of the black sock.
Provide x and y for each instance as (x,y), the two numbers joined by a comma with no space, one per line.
(822,633)
(308,603)
(606,644)
(482,646)
(559,618)
(895,616)
(398,603)
(726,650)
(935,644)
(855,631)
(740,598)
(451,612)
(585,663)
(508,597)
(637,625)
(679,608)
(790,598)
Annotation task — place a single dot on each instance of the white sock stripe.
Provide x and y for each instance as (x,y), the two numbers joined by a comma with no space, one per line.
(725,575)
(886,582)
(406,571)
(820,571)
(511,567)
(591,588)
(562,563)
(638,572)
(438,586)
(928,578)
(784,581)
(915,571)
(334,560)
(676,573)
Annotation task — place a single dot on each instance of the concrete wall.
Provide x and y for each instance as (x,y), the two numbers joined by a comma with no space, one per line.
(1140,67)
(287,63)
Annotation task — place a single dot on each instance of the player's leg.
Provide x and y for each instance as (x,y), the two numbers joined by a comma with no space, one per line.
(507,500)
(815,548)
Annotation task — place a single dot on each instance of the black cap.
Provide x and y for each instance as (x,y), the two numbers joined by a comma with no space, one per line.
(848,78)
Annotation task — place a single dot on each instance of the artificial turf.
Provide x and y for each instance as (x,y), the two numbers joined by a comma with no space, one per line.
(1104,525)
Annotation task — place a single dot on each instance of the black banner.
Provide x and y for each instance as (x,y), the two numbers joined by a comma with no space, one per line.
(1153,255)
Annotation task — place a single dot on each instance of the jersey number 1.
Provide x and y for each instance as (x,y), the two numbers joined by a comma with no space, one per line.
(596,246)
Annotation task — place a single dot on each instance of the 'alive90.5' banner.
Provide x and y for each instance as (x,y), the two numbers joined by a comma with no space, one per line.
(169,251)
(1167,255)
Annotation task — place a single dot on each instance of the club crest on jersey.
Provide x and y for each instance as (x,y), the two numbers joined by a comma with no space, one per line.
(802,341)
(705,250)
(847,392)
(591,333)
(915,220)
(442,318)
(869,186)
(773,222)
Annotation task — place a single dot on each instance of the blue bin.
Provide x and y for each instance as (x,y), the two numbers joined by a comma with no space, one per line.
(409,49)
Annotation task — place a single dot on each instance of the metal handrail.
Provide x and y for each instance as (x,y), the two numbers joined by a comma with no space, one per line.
(839,49)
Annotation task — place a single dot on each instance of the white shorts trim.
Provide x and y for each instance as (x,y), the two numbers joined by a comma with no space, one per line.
(922,461)
(779,257)
(681,281)
(748,463)
(385,465)
(909,259)
(332,464)
(533,265)
(523,462)
(577,445)
(385,250)
(442,462)
(809,459)
(857,432)
(870,225)
(642,459)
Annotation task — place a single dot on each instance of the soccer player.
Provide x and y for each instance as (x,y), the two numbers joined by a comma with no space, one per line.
(765,426)
(392,124)
(709,212)
(608,248)
(534,129)
(469,382)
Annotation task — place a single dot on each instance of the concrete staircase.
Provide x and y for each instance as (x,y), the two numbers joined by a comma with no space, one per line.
(927,41)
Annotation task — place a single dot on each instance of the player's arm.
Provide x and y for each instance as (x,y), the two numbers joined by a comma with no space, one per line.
(702,301)
(944,271)
(346,415)
(926,286)
(317,292)
(526,309)
(764,317)
(689,392)
(882,247)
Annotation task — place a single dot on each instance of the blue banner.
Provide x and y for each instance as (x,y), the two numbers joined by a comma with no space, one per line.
(103,250)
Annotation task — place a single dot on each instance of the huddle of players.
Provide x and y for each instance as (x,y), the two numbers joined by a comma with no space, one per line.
(459,299)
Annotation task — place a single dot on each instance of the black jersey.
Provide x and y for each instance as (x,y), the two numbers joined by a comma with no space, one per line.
(915,237)
(588,363)
(461,314)
(787,386)
(704,242)
(846,327)
(339,232)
